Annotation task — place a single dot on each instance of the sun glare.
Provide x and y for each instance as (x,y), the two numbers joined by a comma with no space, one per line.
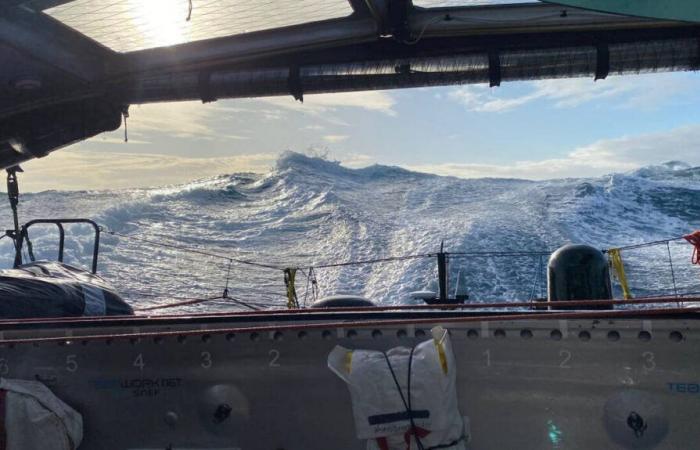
(161,22)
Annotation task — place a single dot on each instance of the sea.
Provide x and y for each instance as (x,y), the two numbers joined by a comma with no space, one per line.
(373,232)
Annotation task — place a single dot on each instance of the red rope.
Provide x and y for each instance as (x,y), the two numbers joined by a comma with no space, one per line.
(694,239)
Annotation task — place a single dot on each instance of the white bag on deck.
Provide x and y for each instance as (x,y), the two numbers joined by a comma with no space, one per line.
(35,419)
(381,408)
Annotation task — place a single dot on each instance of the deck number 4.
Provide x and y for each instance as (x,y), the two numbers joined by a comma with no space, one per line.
(138,362)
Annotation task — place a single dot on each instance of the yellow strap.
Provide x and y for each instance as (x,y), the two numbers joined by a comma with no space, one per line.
(348,361)
(291,290)
(441,355)
(619,267)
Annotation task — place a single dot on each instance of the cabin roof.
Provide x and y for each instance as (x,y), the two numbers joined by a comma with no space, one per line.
(72,67)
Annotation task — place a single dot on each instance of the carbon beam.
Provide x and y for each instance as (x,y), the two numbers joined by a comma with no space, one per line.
(48,41)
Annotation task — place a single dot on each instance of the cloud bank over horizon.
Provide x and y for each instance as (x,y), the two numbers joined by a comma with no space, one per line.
(532,130)
(76,169)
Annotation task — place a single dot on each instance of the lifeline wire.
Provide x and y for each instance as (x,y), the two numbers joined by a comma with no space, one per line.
(311,278)
(192,250)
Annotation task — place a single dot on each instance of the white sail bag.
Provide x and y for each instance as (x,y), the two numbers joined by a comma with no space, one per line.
(391,414)
(35,419)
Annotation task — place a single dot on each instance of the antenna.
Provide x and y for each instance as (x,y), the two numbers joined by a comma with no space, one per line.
(13,196)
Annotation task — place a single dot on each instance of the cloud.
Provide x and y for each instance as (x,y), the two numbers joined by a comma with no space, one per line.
(314,127)
(181,120)
(319,104)
(335,138)
(116,139)
(599,158)
(643,91)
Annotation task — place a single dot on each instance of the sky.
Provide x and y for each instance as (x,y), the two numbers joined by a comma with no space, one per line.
(534,130)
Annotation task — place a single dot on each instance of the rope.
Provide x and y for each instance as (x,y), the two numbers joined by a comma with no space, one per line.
(228,277)
(289,279)
(673,273)
(694,240)
(406,404)
(457,255)
(373,261)
(619,267)
(290,272)
(649,244)
(192,250)
(537,279)
(196,301)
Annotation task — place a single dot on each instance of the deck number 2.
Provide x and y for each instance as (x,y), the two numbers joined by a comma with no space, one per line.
(566,355)
(275,354)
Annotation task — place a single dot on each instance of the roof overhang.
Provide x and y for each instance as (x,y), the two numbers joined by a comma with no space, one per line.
(383,44)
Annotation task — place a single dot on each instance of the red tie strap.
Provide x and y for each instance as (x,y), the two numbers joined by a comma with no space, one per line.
(694,239)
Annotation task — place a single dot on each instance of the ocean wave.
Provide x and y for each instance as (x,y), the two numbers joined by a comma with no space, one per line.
(308,211)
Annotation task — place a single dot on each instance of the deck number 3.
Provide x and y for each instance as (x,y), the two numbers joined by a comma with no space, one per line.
(649,363)
(206,360)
